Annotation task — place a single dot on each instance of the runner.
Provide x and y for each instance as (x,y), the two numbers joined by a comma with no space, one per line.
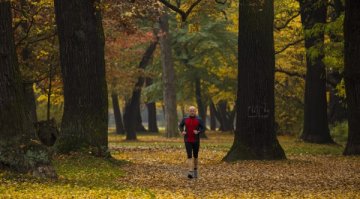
(193,127)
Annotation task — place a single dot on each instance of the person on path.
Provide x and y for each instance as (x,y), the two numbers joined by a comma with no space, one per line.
(190,128)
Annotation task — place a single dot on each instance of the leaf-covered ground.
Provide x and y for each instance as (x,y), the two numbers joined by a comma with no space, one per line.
(154,167)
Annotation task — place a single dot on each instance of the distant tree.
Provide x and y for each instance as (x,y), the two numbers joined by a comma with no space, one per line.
(151,107)
(313,18)
(168,76)
(117,114)
(132,118)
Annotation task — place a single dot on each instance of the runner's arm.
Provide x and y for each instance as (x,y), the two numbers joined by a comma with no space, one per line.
(181,125)
(201,127)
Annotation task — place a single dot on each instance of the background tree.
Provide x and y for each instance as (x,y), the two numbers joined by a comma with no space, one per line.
(255,136)
(132,118)
(168,75)
(313,18)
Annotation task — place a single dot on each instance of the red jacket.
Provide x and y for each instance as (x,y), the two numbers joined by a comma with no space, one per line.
(192,123)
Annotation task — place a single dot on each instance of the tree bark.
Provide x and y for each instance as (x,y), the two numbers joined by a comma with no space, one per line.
(17,151)
(352,74)
(212,116)
(316,129)
(152,116)
(337,108)
(129,123)
(200,104)
(81,38)
(255,136)
(117,114)
(30,106)
(169,92)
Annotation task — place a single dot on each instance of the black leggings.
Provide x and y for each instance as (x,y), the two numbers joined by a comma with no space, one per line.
(192,148)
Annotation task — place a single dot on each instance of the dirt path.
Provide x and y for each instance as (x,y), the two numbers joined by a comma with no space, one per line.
(163,172)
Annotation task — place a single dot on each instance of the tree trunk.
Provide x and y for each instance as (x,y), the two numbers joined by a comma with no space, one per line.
(81,38)
(200,104)
(16,149)
(212,116)
(117,114)
(225,117)
(352,74)
(152,116)
(337,108)
(129,120)
(132,113)
(30,106)
(316,129)
(255,136)
(26,54)
(169,92)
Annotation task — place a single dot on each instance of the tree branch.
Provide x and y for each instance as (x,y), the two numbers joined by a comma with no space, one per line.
(183,14)
(289,73)
(278,28)
(288,45)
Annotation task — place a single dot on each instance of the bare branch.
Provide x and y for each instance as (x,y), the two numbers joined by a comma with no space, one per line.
(221,2)
(183,14)
(289,73)
(286,23)
(288,45)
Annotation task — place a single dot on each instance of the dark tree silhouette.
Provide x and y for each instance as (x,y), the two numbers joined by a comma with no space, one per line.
(117,114)
(255,136)
(17,152)
(85,118)
(313,17)
(132,117)
(352,74)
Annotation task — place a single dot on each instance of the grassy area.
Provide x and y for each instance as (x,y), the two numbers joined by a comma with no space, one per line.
(153,167)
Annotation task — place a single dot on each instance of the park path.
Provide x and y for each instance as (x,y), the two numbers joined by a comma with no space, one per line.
(163,172)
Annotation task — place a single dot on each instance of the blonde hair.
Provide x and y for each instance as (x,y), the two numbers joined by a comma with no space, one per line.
(192,108)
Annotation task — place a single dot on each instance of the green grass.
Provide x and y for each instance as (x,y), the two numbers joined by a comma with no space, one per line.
(79,176)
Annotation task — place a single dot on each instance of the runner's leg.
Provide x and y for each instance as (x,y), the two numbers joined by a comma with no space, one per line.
(196,147)
(189,151)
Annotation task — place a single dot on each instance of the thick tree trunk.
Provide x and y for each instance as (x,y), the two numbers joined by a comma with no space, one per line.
(85,117)
(255,136)
(316,129)
(117,114)
(212,116)
(169,92)
(17,151)
(352,74)
(200,104)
